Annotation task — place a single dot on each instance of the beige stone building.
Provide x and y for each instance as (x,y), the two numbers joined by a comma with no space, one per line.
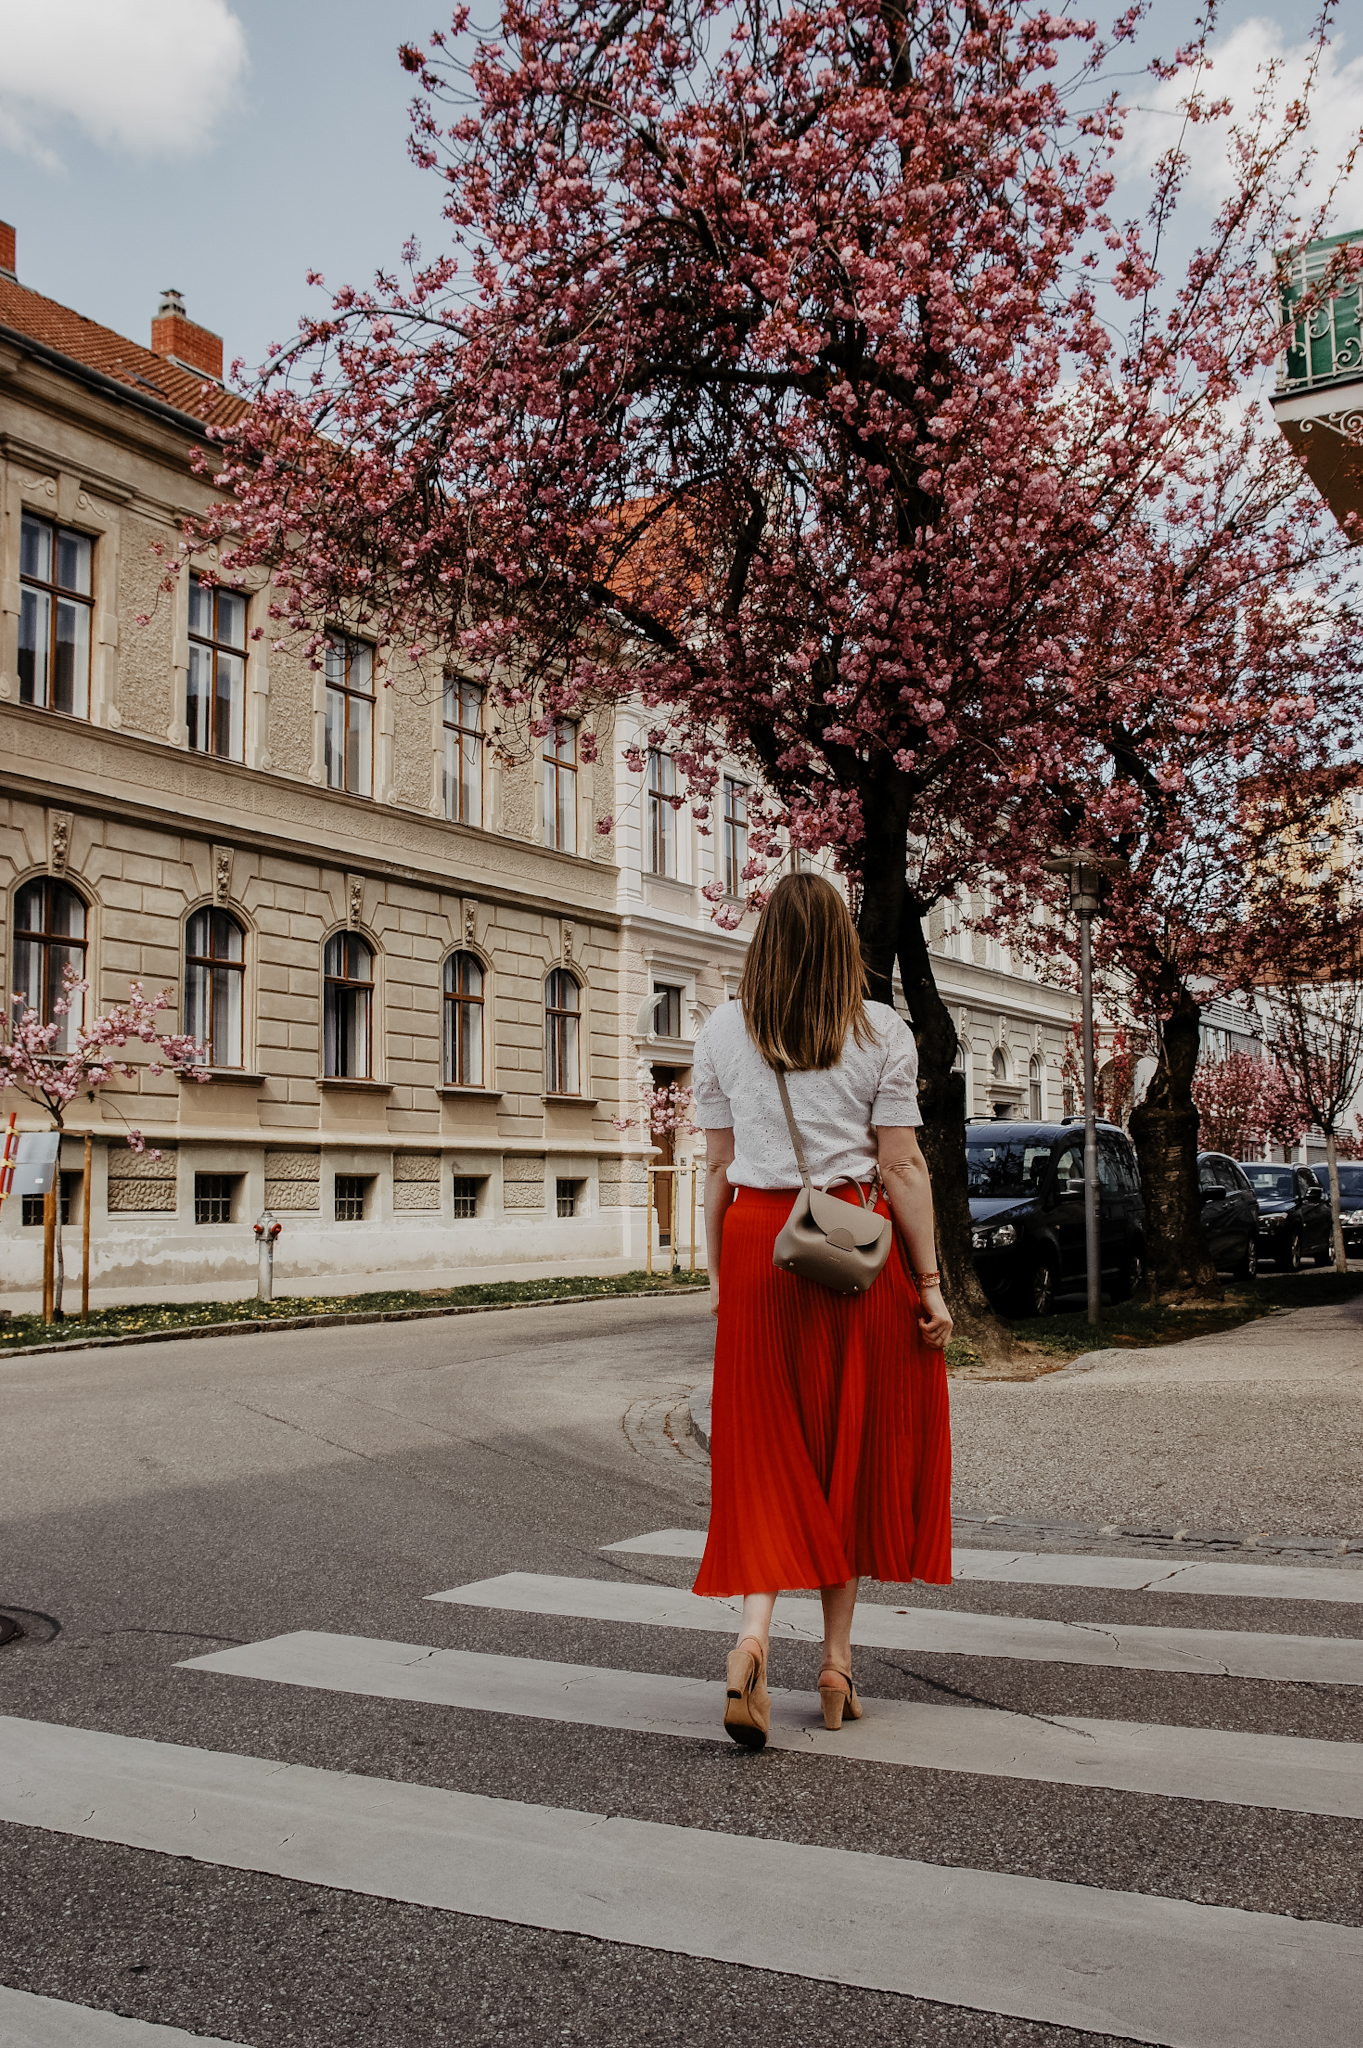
(401,953)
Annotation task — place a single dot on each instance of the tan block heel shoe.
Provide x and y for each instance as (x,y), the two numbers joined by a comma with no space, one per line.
(834,1701)
(747,1703)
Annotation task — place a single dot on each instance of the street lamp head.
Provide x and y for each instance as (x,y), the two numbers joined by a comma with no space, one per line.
(1087,873)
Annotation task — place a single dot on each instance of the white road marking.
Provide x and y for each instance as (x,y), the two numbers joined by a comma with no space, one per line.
(1281,1772)
(1146,1968)
(1232,1653)
(1113,1574)
(27,2021)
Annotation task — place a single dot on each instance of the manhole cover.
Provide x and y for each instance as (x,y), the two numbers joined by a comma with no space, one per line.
(27,1625)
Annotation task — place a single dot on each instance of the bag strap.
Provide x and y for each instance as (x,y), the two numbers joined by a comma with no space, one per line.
(877,1182)
(792,1126)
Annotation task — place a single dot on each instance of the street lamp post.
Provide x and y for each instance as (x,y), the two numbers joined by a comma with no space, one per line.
(1087,873)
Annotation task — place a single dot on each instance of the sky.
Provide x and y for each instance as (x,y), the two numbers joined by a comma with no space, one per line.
(227,147)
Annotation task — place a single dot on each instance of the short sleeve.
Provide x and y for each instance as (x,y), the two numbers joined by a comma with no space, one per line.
(896,1100)
(709,1102)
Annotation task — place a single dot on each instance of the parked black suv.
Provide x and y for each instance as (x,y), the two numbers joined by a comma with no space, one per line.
(1350,1203)
(1026,1184)
(1294,1214)
(1230,1214)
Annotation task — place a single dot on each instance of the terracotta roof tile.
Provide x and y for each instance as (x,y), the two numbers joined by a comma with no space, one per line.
(99,348)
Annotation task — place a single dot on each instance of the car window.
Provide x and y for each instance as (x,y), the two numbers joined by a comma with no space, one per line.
(1274,1183)
(1206,1178)
(1305,1183)
(1350,1179)
(1005,1166)
(1110,1168)
(1069,1169)
(1225,1175)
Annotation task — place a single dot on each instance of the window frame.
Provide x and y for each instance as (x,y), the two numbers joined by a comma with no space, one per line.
(45,938)
(349,694)
(733,796)
(562,1032)
(675,993)
(209,965)
(555,768)
(456,734)
(56,594)
(347,985)
(1036,1087)
(661,783)
(453,1002)
(218,649)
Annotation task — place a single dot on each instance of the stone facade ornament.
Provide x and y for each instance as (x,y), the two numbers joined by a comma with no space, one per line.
(568,945)
(222,874)
(470,924)
(355,901)
(59,840)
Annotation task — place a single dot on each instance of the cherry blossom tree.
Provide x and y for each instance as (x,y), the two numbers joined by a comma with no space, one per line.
(1244,1103)
(1316,1030)
(789,368)
(34,1063)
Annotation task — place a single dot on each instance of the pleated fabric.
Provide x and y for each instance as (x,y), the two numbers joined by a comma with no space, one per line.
(830,1435)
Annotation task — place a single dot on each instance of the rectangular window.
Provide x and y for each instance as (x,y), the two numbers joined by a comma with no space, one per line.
(215,698)
(560,786)
(463,773)
(349,733)
(667,1011)
(31,1215)
(662,818)
(55,611)
(735,835)
(213,1197)
(465,1196)
(351,1189)
(566,1193)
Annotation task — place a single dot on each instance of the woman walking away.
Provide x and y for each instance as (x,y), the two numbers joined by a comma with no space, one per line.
(831,1448)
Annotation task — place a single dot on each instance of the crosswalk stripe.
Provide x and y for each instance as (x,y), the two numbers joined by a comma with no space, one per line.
(1231,1653)
(1285,1773)
(27,2021)
(1139,1966)
(1112,1574)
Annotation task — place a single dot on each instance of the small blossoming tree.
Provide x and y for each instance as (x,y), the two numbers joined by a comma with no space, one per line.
(36,1064)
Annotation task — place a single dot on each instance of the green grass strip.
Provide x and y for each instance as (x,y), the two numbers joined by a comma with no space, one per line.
(145,1317)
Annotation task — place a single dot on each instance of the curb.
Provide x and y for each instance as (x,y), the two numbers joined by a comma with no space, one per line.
(698,1410)
(254,1326)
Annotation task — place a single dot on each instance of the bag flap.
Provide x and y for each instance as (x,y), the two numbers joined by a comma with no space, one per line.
(847,1219)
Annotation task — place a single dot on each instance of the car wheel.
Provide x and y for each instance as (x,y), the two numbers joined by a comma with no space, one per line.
(1132,1274)
(1246,1266)
(1326,1255)
(1289,1257)
(1039,1293)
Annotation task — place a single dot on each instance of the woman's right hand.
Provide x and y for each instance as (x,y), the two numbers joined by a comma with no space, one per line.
(714,1294)
(933,1319)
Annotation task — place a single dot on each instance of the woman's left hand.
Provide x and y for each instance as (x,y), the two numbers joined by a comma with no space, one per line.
(933,1319)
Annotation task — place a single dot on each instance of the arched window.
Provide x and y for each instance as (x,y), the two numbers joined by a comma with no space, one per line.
(562,1016)
(999,1064)
(1036,1090)
(49,937)
(463,1008)
(213,985)
(347,1008)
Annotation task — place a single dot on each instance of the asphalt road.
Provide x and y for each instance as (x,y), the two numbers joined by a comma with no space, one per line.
(173,1502)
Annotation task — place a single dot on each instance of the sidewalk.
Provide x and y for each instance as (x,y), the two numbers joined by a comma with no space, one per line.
(1257,1430)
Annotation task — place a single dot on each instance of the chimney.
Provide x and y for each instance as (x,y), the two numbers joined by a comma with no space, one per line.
(181,341)
(7,254)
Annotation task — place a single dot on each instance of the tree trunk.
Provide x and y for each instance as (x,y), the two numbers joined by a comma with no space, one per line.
(941,1097)
(1165,1128)
(1336,1222)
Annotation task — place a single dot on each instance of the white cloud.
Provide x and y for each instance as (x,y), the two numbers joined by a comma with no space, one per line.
(149,76)
(1239,61)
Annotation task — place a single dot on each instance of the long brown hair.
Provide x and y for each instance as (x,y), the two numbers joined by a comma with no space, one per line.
(804,985)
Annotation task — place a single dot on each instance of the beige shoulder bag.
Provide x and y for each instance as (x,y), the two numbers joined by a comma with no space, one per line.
(825,1239)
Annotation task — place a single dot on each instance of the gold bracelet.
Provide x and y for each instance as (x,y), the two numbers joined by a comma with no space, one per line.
(928,1279)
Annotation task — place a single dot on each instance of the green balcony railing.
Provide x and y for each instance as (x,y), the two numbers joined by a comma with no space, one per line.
(1327,346)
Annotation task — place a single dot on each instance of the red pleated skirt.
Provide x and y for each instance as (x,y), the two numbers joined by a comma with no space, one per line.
(830,1434)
